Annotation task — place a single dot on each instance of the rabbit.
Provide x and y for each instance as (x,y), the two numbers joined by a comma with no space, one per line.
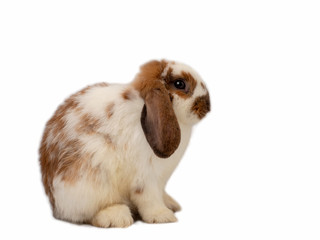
(109,149)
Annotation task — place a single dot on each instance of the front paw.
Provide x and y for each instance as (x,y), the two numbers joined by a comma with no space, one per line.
(161,215)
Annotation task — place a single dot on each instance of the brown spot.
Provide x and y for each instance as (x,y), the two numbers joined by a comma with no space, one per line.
(109,141)
(70,161)
(139,190)
(107,138)
(201,106)
(110,109)
(127,94)
(88,124)
(76,162)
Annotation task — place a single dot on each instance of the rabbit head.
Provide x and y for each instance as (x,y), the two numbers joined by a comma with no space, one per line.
(173,94)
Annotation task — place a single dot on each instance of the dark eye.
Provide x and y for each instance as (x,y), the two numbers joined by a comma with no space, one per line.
(179,84)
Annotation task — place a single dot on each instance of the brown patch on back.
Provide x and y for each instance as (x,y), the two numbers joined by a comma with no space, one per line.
(110,109)
(88,124)
(70,161)
(127,94)
(201,106)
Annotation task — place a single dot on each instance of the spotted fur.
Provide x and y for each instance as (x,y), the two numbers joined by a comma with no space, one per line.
(97,159)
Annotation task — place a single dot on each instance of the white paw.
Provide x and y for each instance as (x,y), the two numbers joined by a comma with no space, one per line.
(113,216)
(162,215)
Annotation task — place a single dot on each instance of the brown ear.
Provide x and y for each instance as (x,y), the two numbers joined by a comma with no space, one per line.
(159,122)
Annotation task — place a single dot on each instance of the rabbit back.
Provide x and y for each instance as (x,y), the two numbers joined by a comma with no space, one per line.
(88,145)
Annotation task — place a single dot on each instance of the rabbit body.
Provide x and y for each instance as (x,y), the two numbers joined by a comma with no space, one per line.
(109,149)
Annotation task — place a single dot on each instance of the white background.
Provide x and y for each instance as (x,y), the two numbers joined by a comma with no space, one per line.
(252,168)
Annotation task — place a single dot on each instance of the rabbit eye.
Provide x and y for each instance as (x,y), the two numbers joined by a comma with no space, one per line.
(179,84)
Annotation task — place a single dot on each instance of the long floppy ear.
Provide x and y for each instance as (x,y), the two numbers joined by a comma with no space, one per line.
(159,122)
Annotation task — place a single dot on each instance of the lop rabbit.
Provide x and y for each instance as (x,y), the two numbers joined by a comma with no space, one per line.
(109,149)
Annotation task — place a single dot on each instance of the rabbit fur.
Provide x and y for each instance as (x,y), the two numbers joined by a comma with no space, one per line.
(109,149)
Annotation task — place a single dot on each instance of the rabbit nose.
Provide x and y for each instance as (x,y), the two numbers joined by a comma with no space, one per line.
(201,106)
